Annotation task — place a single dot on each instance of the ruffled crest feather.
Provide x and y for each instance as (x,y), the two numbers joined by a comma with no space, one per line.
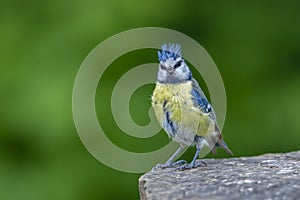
(169,51)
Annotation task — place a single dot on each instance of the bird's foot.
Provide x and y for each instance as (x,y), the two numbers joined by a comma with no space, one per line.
(161,166)
(169,165)
(191,165)
(179,162)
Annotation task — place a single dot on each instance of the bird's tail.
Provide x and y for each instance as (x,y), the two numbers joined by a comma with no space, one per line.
(221,143)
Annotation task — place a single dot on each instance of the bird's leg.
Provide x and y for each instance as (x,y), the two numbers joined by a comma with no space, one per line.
(192,164)
(199,144)
(170,163)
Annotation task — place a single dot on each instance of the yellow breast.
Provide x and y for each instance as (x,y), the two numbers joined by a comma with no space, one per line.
(173,96)
(177,100)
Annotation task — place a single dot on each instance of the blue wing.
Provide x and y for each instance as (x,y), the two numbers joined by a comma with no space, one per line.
(199,98)
(169,126)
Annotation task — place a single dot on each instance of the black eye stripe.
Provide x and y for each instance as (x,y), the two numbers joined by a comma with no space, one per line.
(178,64)
(162,67)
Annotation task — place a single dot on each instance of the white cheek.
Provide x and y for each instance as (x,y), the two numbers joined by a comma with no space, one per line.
(182,72)
(184,69)
(179,73)
(163,74)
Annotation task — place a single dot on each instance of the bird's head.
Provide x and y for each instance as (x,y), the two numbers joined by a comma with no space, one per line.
(172,68)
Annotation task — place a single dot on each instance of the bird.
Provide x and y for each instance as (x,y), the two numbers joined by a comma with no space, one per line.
(182,108)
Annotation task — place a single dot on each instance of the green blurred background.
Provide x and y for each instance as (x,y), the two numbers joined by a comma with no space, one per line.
(256,46)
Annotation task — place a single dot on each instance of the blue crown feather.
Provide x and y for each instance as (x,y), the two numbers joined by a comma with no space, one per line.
(170,51)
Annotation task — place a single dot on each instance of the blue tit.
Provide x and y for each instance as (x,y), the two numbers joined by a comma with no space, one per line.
(182,109)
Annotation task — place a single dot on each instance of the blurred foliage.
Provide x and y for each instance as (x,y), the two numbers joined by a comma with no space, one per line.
(255,44)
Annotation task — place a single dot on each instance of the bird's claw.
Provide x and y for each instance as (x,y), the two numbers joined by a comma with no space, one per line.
(184,167)
(201,164)
(169,165)
(179,162)
(161,166)
(191,165)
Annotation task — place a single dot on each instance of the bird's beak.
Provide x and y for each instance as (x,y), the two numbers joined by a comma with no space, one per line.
(170,69)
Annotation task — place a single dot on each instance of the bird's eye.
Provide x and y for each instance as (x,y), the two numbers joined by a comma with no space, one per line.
(178,64)
(162,67)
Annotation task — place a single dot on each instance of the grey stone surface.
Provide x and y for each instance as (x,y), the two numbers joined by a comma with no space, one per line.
(269,176)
